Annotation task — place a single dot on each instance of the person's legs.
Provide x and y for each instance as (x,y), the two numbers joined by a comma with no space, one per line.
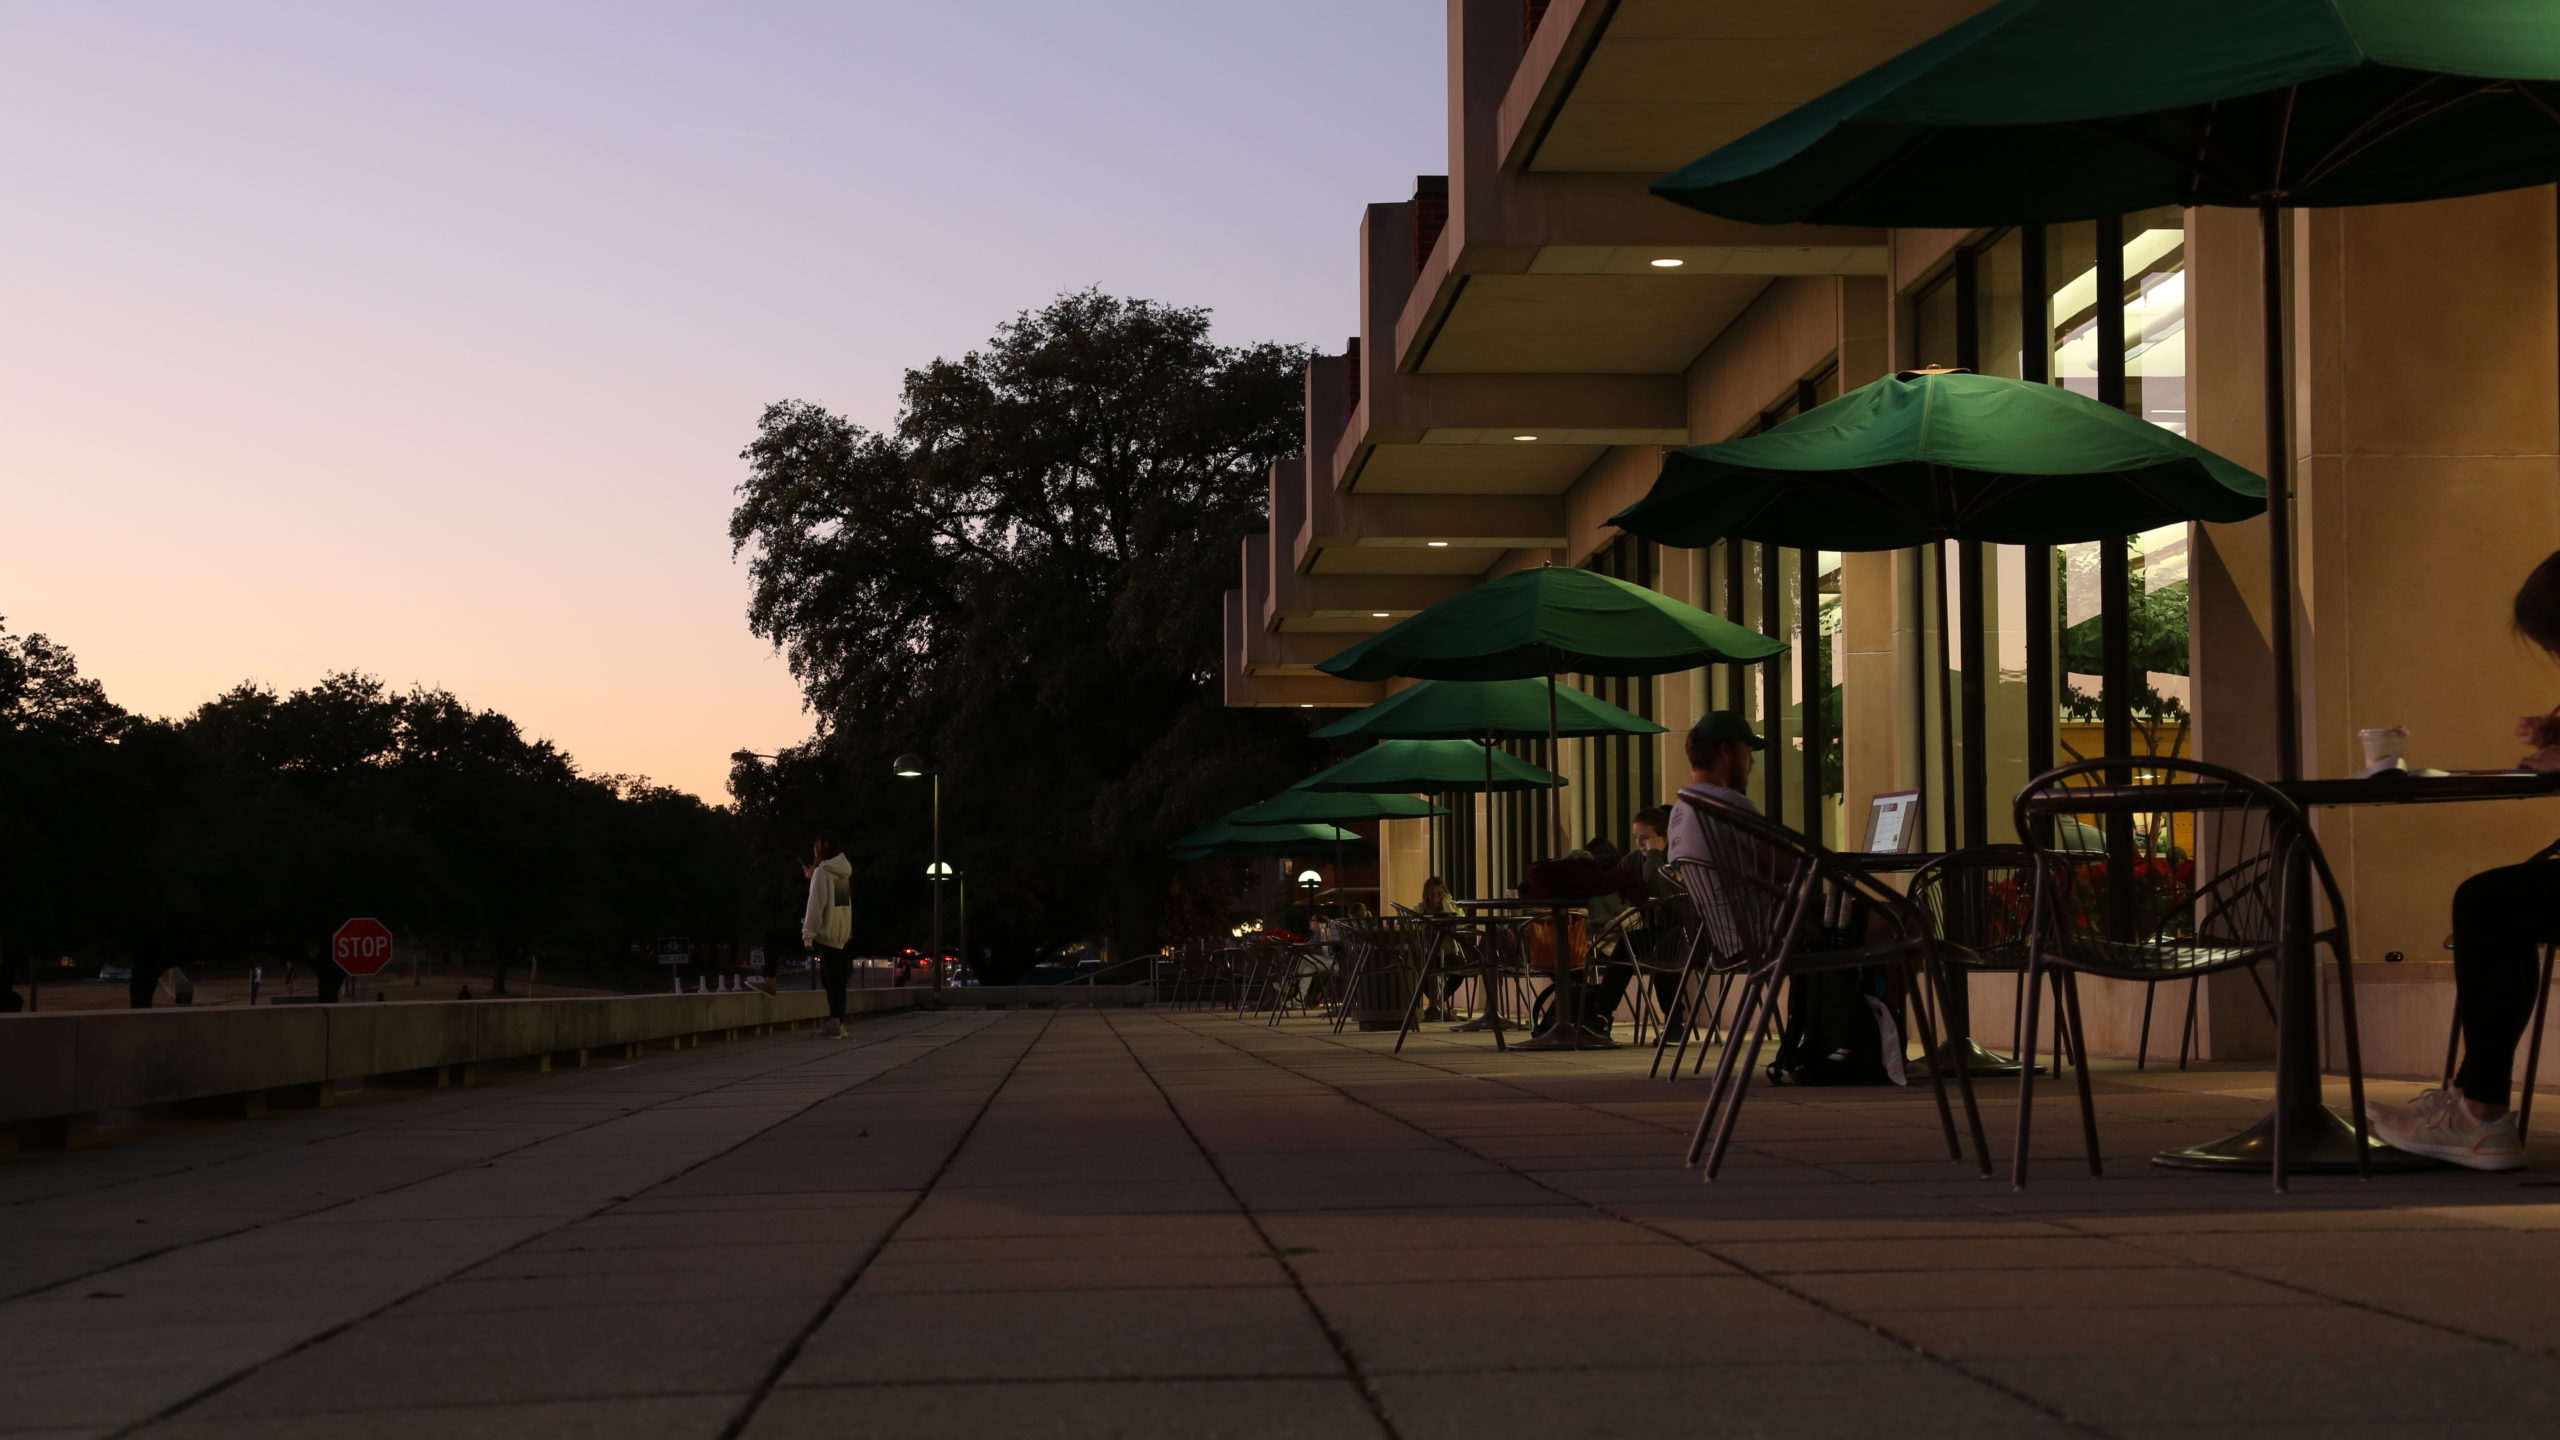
(1604,990)
(834,969)
(2500,918)
(144,983)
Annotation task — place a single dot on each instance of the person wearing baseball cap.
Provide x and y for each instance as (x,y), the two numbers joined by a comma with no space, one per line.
(1723,751)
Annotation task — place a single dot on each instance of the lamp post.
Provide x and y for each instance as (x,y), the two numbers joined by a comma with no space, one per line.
(916,767)
(938,872)
(1310,878)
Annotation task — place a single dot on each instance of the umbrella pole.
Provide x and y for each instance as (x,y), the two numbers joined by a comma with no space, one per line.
(1488,822)
(2279,499)
(1937,553)
(1555,785)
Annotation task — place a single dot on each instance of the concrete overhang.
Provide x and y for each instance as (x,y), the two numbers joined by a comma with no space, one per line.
(1271,670)
(1577,269)
(1643,87)
(1298,598)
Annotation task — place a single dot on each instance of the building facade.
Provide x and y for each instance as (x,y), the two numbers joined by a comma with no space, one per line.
(1536,329)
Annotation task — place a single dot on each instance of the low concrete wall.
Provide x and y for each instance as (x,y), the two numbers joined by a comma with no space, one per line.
(57,1070)
(82,1062)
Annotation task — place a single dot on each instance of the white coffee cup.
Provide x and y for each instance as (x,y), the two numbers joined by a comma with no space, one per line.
(2383,748)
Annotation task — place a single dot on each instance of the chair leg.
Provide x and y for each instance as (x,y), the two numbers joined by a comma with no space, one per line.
(2018,1023)
(2355,1059)
(1724,1067)
(2033,977)
(1730,1032)
(2187,1028)
(2068,983)
(1406,1024)
(1342,1002)
(2533,1043)
(2142,1050)
(1742,1076)
(1916,977)
(1681,1012)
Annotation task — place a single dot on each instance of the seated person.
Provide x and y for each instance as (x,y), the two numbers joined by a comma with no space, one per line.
(1723,751)
(2500,918)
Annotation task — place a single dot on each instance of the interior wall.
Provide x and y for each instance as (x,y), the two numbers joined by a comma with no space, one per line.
(2428,405)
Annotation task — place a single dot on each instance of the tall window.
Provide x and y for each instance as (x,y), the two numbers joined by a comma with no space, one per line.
(2098,307)
(1620,774)
(1772,590)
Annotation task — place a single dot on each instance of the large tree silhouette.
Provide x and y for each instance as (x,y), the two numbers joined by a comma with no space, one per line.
(1022,579)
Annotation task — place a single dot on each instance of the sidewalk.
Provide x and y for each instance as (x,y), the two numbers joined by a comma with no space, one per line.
(1143,1223)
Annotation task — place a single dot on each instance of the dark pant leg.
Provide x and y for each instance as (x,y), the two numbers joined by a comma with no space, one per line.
(2500,917)
(1604,989)
(834,969)
(145,982)
(1666,995)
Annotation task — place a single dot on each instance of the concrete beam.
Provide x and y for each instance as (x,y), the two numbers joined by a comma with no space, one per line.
(1267,669)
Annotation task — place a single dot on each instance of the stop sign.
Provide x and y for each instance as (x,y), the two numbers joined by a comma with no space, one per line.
(361,947)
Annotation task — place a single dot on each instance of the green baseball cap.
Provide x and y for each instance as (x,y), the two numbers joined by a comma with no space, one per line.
(1717,726)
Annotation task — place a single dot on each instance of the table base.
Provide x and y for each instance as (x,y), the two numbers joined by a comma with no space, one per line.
(1976,1061)
(2324,1144)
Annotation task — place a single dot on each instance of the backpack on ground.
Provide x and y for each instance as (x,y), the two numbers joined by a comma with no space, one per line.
(1838,1031)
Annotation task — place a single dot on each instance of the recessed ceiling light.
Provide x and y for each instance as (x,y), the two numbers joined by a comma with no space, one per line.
(1377,614)
(1524,437)
(1306,704)
(1668,264)
(1437,544)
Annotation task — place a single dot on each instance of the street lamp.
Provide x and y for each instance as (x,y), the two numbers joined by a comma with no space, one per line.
(916,767)
(1311,879)
(938,872)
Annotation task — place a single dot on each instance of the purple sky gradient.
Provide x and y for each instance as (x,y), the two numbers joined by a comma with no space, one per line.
(421,339)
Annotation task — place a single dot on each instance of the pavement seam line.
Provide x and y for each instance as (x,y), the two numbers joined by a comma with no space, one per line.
(827,1308)
(188,1402)
(1947,1363)
(1354,1371)
(487,1158)
(587,1076)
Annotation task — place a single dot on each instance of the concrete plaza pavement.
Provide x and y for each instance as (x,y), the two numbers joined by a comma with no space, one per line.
(1151,1223)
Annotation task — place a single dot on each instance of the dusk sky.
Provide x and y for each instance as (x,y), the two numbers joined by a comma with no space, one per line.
(421,338)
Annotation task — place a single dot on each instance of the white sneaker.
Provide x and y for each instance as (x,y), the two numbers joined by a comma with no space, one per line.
(2437,1126)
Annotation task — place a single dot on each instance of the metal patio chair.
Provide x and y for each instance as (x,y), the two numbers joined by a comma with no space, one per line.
(1763,895)
(2187,887)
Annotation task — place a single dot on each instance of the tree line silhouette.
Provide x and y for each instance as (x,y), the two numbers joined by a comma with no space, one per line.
(247,830)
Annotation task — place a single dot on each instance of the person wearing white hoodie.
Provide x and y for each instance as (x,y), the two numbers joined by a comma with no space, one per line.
(826,925)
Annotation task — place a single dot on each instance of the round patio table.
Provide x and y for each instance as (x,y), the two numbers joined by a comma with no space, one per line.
(2317,1140)
(1568,978)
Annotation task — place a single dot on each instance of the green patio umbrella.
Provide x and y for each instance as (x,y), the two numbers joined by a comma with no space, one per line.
(1297,805)
(2037,111)
(1222,840)
(1434,766)
(1554,618)
(1920,457)
(1486,711)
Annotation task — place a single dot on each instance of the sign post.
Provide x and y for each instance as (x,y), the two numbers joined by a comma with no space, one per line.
(361,947)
